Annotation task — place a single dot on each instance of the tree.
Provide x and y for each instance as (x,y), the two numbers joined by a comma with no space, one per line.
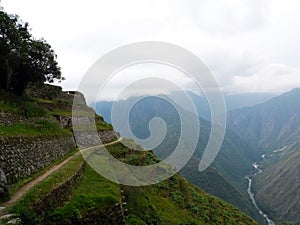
(24,59)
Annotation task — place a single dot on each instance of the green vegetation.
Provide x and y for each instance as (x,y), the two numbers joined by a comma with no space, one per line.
(61,112)
(40,128)
(212,182)
(8,107)
(175,201)
(103,126)
(36,116)
(23,58)
(93,196)
(96,200)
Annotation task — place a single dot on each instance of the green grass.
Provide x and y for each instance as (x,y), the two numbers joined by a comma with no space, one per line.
(177,202)
(93,195)
(174,201)
(23,108)
(103,126)
(8,107)
(60,112)
(41,128)
(41,100)
(32,109)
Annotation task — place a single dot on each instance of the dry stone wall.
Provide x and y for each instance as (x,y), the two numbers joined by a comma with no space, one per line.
(87,139)
(8,118)
(20,157)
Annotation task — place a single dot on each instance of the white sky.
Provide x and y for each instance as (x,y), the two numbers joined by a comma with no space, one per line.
(250,45)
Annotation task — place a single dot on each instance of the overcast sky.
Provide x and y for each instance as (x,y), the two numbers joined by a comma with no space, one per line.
(249,45)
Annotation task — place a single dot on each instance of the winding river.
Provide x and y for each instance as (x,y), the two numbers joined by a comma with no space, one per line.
(251,194)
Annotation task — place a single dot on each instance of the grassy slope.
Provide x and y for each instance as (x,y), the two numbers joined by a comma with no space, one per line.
(212,182)
(32,118)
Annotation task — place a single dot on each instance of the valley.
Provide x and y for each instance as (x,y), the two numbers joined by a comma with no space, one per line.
(274,127)
(251,194)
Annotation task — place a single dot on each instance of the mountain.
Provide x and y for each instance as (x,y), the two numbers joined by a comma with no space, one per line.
(232,101)
(237,101)
(225,178)
(272,124)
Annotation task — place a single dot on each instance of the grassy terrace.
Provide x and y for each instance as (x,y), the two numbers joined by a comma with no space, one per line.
(42,127)
(37,117)
(94,195)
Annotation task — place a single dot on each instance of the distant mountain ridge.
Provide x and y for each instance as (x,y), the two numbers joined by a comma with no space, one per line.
(272,124)
(232,102)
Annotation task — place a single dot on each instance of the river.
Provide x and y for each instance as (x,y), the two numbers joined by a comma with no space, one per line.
(251,194)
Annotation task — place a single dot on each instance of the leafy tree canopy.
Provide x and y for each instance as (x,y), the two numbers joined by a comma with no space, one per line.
(23,58)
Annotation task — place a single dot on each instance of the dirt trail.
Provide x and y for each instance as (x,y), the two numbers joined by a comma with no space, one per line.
(24,189)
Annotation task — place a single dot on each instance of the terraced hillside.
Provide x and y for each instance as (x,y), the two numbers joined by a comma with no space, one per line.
(75,193)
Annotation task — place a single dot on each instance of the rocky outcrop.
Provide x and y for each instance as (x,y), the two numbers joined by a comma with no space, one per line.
(20,157)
